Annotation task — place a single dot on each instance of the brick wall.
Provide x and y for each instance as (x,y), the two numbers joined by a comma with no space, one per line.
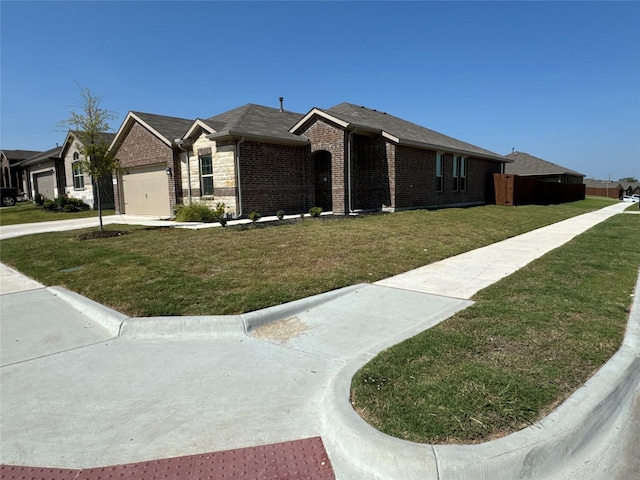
(369,173)
(333,139)
(274,177)
(415,183)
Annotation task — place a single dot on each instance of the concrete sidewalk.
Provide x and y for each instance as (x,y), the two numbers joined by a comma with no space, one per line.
(82,386)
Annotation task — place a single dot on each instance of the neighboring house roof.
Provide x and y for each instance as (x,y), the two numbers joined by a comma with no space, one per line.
(256,122)
(592,182)
(72,136)
(52,154)
(15,156)
(165,128)
(395,129)
(528,165)
(630,185)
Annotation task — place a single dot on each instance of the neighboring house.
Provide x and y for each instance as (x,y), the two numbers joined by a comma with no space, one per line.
(525,165)
(603,188)
(44,174)
(78,184)
(11,175)
(344,159)
(630,188)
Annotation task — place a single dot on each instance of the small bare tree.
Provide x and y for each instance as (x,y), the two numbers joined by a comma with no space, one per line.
(89,122)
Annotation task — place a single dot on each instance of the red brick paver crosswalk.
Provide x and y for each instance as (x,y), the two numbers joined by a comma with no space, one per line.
(296,460)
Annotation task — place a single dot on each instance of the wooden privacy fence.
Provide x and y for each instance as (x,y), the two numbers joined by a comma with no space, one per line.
(611,192)
(516,190)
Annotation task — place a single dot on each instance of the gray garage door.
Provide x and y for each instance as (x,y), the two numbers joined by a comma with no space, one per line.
(146,191)
(44,184)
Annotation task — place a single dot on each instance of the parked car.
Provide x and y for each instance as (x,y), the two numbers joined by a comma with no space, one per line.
(631,198)
(9,196)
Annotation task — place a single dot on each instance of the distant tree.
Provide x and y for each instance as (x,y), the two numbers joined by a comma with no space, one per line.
(628,179)
(89,121)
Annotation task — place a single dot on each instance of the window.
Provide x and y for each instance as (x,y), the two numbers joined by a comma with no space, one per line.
(459,173)
(78,173)
(439,168)
(206,175)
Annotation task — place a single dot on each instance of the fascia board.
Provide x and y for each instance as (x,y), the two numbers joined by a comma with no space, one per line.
(198,124)
(441,148)
(128,120)
(319,113)
(131,117)
(68,141)
(227,134)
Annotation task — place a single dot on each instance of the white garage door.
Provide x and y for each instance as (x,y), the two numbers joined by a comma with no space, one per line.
(44,185)
(146,191)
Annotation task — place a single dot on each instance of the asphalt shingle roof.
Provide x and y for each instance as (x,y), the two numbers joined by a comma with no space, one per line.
(42,156)
(169,127)
(257,121)
(15,156)
(525,164)
(405,131)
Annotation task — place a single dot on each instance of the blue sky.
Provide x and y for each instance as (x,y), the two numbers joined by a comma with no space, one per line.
(557,80)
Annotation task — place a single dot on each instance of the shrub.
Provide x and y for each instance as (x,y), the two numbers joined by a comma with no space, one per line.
(254,216)
(39,199)
(315,211)
(196,212)
(280,215)
(49,204)
(67,204)
(219,210)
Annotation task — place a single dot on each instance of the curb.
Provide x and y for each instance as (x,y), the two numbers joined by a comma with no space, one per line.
(591,417)
(108,318)
(179,328)
(253,320)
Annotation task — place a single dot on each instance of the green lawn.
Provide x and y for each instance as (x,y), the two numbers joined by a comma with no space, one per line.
(526,344)
(167,271)
(28,212)
(524,347)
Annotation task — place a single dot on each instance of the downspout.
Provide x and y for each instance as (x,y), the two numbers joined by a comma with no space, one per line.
(179,143)
(238,183)
(350,141)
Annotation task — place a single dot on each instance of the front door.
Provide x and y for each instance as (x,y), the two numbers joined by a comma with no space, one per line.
(322,175)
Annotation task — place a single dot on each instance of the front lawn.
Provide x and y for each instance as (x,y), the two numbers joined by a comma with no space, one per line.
(168,271)
(508,360)
(29,212)
(528,342)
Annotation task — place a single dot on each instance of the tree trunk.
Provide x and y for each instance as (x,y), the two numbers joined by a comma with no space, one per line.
(99,205)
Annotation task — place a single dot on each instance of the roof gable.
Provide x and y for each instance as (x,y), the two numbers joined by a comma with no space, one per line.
(395,129)
(72,136)
(167,129)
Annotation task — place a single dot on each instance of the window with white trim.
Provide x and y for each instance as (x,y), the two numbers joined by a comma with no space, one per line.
(206,175)
(439,171)
(459,173)
(78,172)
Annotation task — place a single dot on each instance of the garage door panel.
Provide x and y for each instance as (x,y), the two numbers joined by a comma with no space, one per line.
(44,184)
(146,191)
